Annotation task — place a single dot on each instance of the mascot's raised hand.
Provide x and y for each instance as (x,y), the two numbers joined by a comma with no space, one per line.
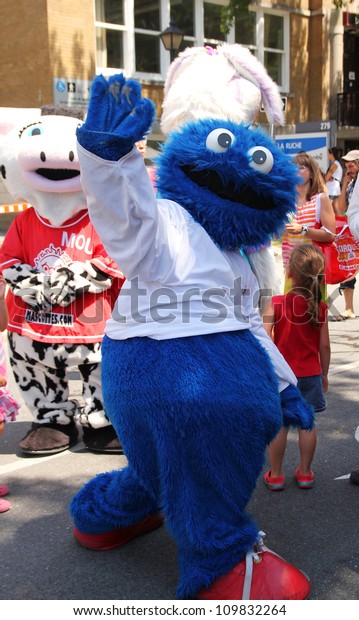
(118,117)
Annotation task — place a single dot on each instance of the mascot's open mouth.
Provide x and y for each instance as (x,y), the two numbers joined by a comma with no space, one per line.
(209,179)
(57,174)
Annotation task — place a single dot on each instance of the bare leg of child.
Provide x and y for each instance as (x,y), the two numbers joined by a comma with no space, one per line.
(307,445)
(277,451)
(349,302)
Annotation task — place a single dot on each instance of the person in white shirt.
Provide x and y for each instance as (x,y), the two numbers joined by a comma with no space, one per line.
(353,220)
(351,160)
(333,176)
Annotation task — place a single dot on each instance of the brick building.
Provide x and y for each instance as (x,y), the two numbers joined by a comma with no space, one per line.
(53,48)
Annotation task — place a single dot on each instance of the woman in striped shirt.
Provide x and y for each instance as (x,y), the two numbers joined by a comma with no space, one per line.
(302,228)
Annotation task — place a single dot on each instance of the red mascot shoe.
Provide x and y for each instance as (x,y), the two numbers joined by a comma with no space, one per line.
(261,575)
(120,536)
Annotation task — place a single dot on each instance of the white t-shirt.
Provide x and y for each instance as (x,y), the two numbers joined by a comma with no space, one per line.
(333,186)
(178,282)
(353,210)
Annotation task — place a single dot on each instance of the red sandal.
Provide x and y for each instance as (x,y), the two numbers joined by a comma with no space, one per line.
(304,481)
(274,483)
(4,490)
(4,505)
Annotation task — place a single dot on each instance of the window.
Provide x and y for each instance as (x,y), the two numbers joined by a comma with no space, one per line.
(147,14)
(212,21)
(245,29)
(109,33)
(274,46)
(110,11)
(147,50)
(127,35)
(182,13)
(109,48)
(267,36)
(147,30)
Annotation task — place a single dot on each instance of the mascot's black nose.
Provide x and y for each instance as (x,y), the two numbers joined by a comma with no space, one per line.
(3,172)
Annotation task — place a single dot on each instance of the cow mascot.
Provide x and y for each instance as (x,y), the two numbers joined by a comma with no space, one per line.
(62,286)
(193,385)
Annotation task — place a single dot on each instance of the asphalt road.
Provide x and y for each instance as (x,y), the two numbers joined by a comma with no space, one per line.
(316,530)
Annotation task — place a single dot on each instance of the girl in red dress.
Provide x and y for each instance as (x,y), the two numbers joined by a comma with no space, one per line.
(298,324)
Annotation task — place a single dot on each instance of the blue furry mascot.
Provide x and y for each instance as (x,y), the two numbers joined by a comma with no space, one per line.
(202,389)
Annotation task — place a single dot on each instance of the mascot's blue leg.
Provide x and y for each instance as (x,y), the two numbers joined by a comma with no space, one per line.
(195,416)
(111,500)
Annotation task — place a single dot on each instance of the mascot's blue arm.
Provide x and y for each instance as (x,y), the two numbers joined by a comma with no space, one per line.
(117,118)
(296,411)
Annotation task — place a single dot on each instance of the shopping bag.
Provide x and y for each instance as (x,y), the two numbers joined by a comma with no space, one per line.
(342,254)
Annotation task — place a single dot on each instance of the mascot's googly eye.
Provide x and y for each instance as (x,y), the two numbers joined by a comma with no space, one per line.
(35,130)
(219,140)
(261,159)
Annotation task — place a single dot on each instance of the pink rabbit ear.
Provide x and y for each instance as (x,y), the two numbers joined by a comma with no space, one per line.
(247,66)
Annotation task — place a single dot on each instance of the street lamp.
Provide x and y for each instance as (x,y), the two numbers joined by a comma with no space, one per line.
(172,38)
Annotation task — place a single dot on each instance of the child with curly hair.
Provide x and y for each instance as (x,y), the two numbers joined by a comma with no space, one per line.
(298,324)
(8,405)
